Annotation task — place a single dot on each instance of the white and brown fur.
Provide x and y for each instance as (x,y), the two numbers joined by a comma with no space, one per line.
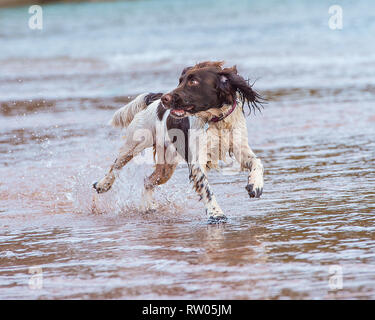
(150,124)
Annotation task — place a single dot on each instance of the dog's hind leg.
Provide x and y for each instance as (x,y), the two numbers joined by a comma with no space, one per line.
(136,142)
(161,174)
(106,183)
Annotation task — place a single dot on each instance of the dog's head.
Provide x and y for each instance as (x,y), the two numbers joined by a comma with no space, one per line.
(207,85)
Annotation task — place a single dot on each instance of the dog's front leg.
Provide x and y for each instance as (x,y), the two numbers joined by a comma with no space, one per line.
(250,162)
(255,179)
(197,163)
(199,179)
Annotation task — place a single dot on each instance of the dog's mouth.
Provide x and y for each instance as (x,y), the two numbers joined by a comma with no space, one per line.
(181,113)
(178,113)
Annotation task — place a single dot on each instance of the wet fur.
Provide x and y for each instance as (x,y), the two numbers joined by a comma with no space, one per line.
(150,124)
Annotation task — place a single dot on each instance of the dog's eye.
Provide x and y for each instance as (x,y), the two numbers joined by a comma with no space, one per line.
(193,82)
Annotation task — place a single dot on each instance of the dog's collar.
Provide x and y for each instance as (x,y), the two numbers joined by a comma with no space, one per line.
(217,119)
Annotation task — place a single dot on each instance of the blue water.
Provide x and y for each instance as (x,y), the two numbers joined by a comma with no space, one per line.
(122,48)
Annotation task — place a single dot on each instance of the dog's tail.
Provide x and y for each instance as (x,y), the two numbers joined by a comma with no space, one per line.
(126,114)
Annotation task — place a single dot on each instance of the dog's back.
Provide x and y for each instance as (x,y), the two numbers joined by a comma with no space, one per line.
(126,114)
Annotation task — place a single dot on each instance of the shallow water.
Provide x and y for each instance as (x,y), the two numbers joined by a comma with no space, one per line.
(315,137)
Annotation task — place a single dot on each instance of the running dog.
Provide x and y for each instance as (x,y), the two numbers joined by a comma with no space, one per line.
(201,121)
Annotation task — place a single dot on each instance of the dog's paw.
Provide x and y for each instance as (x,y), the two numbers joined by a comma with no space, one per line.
(149,207)
(215,214)
(103,185)
(148,204)
(101,188)
(255,183)
(254,192)
(217,219)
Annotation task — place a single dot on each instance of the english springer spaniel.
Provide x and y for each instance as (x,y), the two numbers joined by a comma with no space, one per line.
(200,121)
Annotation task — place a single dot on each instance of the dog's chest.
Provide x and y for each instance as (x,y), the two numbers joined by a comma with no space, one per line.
(220,137)
(218,143)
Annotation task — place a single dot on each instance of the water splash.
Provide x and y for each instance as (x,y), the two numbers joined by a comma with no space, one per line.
(125,196)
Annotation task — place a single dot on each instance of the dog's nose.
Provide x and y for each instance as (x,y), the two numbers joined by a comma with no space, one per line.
(166,99)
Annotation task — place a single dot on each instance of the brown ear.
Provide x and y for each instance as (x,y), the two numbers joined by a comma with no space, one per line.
(226,91)
(231,82)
